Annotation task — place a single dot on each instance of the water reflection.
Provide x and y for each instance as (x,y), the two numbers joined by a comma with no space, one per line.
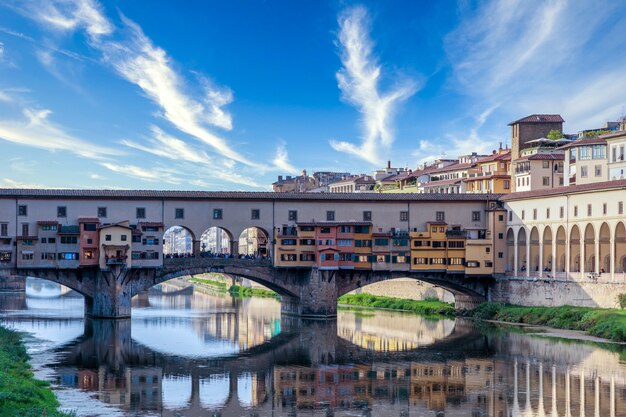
(188,354)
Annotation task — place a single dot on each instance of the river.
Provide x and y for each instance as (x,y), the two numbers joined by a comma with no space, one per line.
(190,352)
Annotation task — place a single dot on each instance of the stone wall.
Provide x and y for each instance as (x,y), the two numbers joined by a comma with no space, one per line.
(406,288)
(550,293)
(13,283)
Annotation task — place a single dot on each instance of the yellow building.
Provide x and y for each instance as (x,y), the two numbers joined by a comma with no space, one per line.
(115,241)
(491,174)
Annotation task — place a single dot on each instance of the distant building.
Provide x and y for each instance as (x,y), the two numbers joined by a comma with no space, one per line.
(389,171)
(323,178)
(297,184)
(353,184)
(607,128)
(491,173)
(528,128)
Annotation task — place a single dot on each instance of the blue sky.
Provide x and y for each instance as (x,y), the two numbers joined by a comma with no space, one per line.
(227,95)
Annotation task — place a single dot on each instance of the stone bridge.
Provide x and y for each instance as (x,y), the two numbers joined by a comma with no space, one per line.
(304,292)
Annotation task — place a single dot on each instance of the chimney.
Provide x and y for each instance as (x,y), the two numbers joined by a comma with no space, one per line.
(288,177)
(389,164)
(280,178)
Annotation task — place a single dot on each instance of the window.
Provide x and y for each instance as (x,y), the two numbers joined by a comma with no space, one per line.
(307,257)
(472,264)
(585,153)
(510,215)
(598,169)
(89,254)
(361,229)
(179,213)
(440,216)
(307,242)
(27,242)
(330,216)
(89,227)
(420,261)
(500,255)
(344,242)
(589,210)
(455,261)
(217,214)
(500,235)
(523,214)
(546,164)
(583,172)
(71,240)
(367,216)
(293,215)
(534,214)
(4,229)
(140,212)
(124,237)
(49,227)
(325,230)
(620,208)
(561,212)
(151,241)
(437,261)
(24,229)
(288,242)
(52,240)
(27,256)
(68,256)
(507,184)
(439,244)
(457,244)
(22,210)
(90,241)
(548,213)
(500,217)
(255,214)
(475,216)
(404,216)
(43,240)
(487,249)
(598,151)
(5,257)
(48,256)
(61,211)
(604,209)
(363,243)
(575,211)
(381,242)
(107,238)
(102,211)
(546,181)
(344,229)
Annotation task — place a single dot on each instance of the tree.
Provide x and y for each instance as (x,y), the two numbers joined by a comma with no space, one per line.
(555,134)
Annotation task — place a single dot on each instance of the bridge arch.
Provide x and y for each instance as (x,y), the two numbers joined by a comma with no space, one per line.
(216,240)
(178,241)
(254,241)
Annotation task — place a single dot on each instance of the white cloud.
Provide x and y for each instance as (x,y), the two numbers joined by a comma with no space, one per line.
(536,57)
(11,183)
(167,146)
(1,51)
(95,176)
(145,174)
(36,130)
(281,161)
(359,81)
(71,15)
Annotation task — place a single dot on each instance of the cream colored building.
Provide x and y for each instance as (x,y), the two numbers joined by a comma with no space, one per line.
(115,241)
(616,144)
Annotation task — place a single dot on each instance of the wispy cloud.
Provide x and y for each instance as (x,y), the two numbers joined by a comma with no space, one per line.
(535,56)
(1,51)
(359,81)
(281,161)
(36,129)
(71,15)
(167,146)
(153,174)
(11,183)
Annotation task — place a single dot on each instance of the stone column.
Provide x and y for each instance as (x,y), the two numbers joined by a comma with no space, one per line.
(527,256)
(582,392)
(567,253)
(112,293)
(515,260)
(613,260)
(196,248)
(555,262)
(234,248)
(596,251)
(540,257)
(583,258)
(318,296)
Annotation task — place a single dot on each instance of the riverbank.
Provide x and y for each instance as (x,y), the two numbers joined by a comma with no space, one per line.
(604,323)
(21,395)
(234,290)
(429,307)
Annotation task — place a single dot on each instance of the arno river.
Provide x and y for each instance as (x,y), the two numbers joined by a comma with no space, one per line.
(190,353)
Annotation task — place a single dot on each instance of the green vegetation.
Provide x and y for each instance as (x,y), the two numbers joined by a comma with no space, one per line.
(426,307)
(239,291)
(600,322)
(21,395)
(211,283)
(621,299)
(555,135)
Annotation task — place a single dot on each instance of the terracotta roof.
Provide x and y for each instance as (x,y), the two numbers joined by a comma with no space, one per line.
(150,224)
(495,157)
(47,222)
(540,118)
(597,186)
(542,157)
(231,195)
(442,182)
(613,135)
(115,225)
(599,140)
(452,167)
(335,223)
(88,220)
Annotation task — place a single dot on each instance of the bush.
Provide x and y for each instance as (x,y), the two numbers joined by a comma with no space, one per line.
(621,299)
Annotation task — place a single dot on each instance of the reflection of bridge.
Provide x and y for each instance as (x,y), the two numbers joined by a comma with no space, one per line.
(107,356)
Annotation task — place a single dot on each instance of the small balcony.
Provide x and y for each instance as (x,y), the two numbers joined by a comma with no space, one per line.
(116,260)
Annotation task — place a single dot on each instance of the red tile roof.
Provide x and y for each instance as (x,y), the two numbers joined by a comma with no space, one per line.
(597,186)
(230,195)
(542,157)
(540,118)
(599,140)
(442,182)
